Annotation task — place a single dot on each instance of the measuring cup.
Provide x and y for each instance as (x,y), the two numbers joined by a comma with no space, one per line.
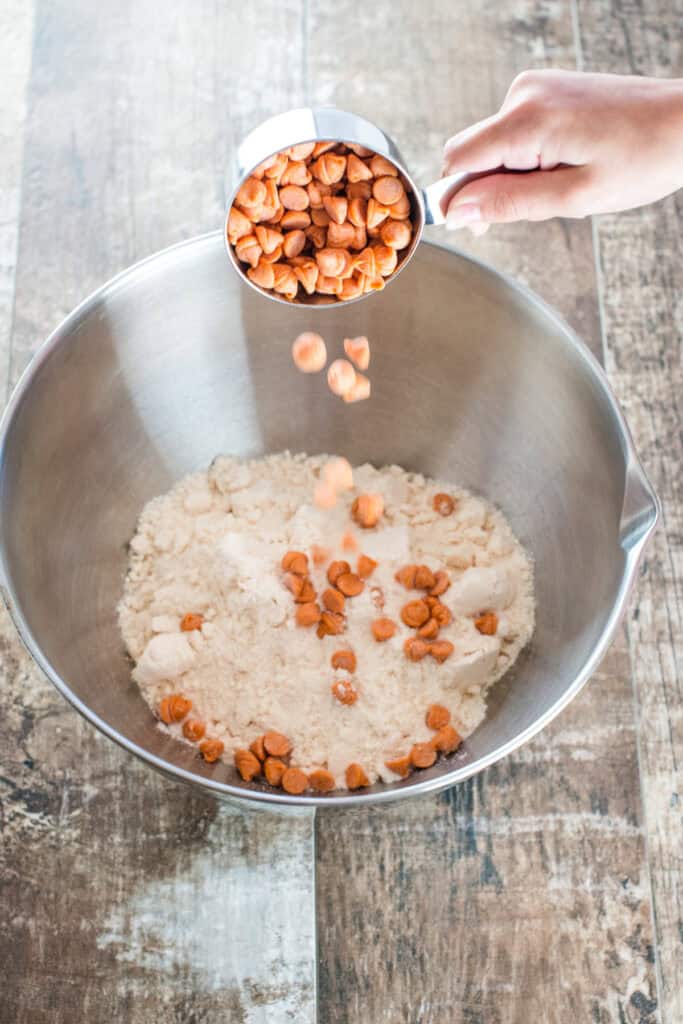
(325,124)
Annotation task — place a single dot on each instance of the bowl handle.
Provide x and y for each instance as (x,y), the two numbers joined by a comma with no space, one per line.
(640,509)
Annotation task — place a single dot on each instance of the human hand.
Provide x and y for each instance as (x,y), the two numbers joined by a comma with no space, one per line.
(588,144)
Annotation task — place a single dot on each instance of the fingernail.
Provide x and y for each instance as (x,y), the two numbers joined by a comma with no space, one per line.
(459,216)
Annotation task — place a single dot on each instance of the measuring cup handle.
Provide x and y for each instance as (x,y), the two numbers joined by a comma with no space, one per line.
(438,195)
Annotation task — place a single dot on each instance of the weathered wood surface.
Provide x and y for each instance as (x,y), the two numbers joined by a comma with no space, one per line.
(523,895)
(417,905)
(641,256)
(126,898)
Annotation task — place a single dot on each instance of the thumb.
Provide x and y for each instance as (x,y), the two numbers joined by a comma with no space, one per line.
(501,198)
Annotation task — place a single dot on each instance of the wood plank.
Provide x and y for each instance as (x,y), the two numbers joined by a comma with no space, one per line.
(125,897)
(641,257)
(523,894)
(16,35)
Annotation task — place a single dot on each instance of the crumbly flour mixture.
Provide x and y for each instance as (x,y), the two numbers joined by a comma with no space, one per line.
(213,546)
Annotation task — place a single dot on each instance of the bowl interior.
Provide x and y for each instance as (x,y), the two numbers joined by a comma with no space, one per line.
(177,361)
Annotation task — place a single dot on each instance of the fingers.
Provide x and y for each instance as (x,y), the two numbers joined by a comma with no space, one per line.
(503,198)
(505,140)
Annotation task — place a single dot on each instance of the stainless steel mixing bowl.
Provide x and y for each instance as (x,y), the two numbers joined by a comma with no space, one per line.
(176,360)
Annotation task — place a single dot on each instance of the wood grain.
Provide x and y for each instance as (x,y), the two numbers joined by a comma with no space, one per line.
(16,33)
(126,898)
(417,905)
(521,895)
(641,254)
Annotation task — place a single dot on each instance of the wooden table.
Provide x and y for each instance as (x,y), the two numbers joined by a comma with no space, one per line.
(549,888)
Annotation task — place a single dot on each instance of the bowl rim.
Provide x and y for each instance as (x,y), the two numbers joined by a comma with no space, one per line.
(632,543)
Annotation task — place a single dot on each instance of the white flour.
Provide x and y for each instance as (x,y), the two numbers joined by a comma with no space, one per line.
(213,546)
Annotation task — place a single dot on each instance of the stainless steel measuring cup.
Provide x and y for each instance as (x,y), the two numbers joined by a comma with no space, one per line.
(324,124)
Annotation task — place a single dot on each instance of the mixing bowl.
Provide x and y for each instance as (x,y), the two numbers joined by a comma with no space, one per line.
(176,360)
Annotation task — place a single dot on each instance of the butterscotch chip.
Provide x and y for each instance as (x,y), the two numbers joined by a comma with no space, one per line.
(367,510)
(337,569)
(307,593)
(276,744)
(380,166)
(274,769)
(193,730)
(269,239)
(350,584)
(319,554)
(344,660)
(443,504)
(211,750)
(294,781)
(339,474)
(366,566)
(442,614)
(440,650)
(238,225)
(336,208)
(349,542)
(446,740)
(191,621)
(329,168)
(294,243)
(422,755)
(487,623)
(331,623)
(357,214)
(386,259)
(257,748)
(252,193)
(174,708)
(377,597)
(307,614)
(430,630)
(341,236)
(401,209)
(383,629)
(406,576)
(247,764)
(358,349)
(301,151)
(295,220)
(333,600)
(400,765)
(262,275)
(296,562)
(340,376)
(415,613)
(294,584)
(344,691)
(441,583)
(424,578)
(415,649)
(356,777)
(321,780)
(387,190)
(437,716)
(323,147)
(360,391)
(357,170)
(294,197)
(309,351)
(396,233)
